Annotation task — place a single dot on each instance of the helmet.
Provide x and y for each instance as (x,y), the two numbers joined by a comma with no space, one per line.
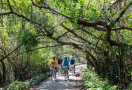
(72,57)
(65,57)
(59,57)
(53,57)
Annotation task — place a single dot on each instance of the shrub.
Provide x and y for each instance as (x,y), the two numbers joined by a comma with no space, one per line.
(18,85)
(130,86)
(93,82)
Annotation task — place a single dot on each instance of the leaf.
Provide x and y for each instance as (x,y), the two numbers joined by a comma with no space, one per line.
(75,1)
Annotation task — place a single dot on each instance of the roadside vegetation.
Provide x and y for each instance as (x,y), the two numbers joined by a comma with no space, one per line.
(26,85)
(94,82)
(96,32)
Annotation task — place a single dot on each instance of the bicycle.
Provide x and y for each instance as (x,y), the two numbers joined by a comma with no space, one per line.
(52,73)
(65,71)
(59,70)
(72,69)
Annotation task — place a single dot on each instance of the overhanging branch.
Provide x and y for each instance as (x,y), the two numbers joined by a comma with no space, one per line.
(62,35)
(40,48)
(1,14)
(123,12)
(51,9)
(120,28)
(11,52)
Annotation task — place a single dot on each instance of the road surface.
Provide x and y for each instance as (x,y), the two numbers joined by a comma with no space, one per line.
(73,83)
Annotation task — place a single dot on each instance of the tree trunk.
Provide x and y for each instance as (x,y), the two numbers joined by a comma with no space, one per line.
(0,77)
(4,71)
(16,61)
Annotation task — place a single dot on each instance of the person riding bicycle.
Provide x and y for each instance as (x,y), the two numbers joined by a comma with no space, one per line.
(65,65)
(69,60)
(72,62)
(53,64)
(59,63)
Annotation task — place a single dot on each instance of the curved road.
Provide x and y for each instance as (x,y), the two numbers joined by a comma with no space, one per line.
(60,83)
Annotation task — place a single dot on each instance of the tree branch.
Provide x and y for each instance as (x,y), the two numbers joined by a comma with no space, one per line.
(40,48)
(76,34)
(62,35)
(89,54)
(81,37)
(93,24)
(39,5)
(19,15)
(9,5)
(51,9)
(11,52)
(100,28)
(9,59)
(80,22)
(114,43)
(122,27)
(1,14)
(93,35)
(123,12)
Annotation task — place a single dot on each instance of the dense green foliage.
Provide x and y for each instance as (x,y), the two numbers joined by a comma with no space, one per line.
(93,82)
(18,85)
(29,39)
(94,31)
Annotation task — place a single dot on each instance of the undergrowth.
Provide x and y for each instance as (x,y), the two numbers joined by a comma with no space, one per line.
(93,82)
(18,85)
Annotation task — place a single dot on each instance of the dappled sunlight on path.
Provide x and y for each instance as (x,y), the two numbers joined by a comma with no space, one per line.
(60,84)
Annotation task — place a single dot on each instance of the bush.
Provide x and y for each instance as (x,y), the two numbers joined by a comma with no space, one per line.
(18,85)
(93,82)
(130,86)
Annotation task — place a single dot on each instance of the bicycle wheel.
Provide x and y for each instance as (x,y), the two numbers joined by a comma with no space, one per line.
(52,76)
(72,70)
(59,72)
(65,75)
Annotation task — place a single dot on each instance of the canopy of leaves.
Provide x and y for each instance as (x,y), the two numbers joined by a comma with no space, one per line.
(100,31)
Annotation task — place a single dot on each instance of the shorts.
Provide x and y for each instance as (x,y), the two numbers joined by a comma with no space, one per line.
(72,66)
(53,68)
(59,66)
(65,67)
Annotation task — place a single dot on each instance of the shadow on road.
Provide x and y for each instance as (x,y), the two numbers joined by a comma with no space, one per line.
(60,84)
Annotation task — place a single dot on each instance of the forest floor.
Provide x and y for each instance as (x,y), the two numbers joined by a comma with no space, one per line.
(73,83)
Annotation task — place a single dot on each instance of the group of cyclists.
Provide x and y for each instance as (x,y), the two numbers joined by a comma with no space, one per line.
(66,63)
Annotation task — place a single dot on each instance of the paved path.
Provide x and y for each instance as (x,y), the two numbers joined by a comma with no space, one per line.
(60,83)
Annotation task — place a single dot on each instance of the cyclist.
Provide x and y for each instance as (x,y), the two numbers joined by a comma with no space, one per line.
(72,63)
(59,63)
(69,60)
(66,64)
(53,64)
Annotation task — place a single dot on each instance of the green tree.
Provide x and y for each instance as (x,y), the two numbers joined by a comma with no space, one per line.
(99,29)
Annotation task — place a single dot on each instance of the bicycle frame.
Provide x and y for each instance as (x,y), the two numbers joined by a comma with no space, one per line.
(65,71)
(59,70)
(52,74)
(72,69)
